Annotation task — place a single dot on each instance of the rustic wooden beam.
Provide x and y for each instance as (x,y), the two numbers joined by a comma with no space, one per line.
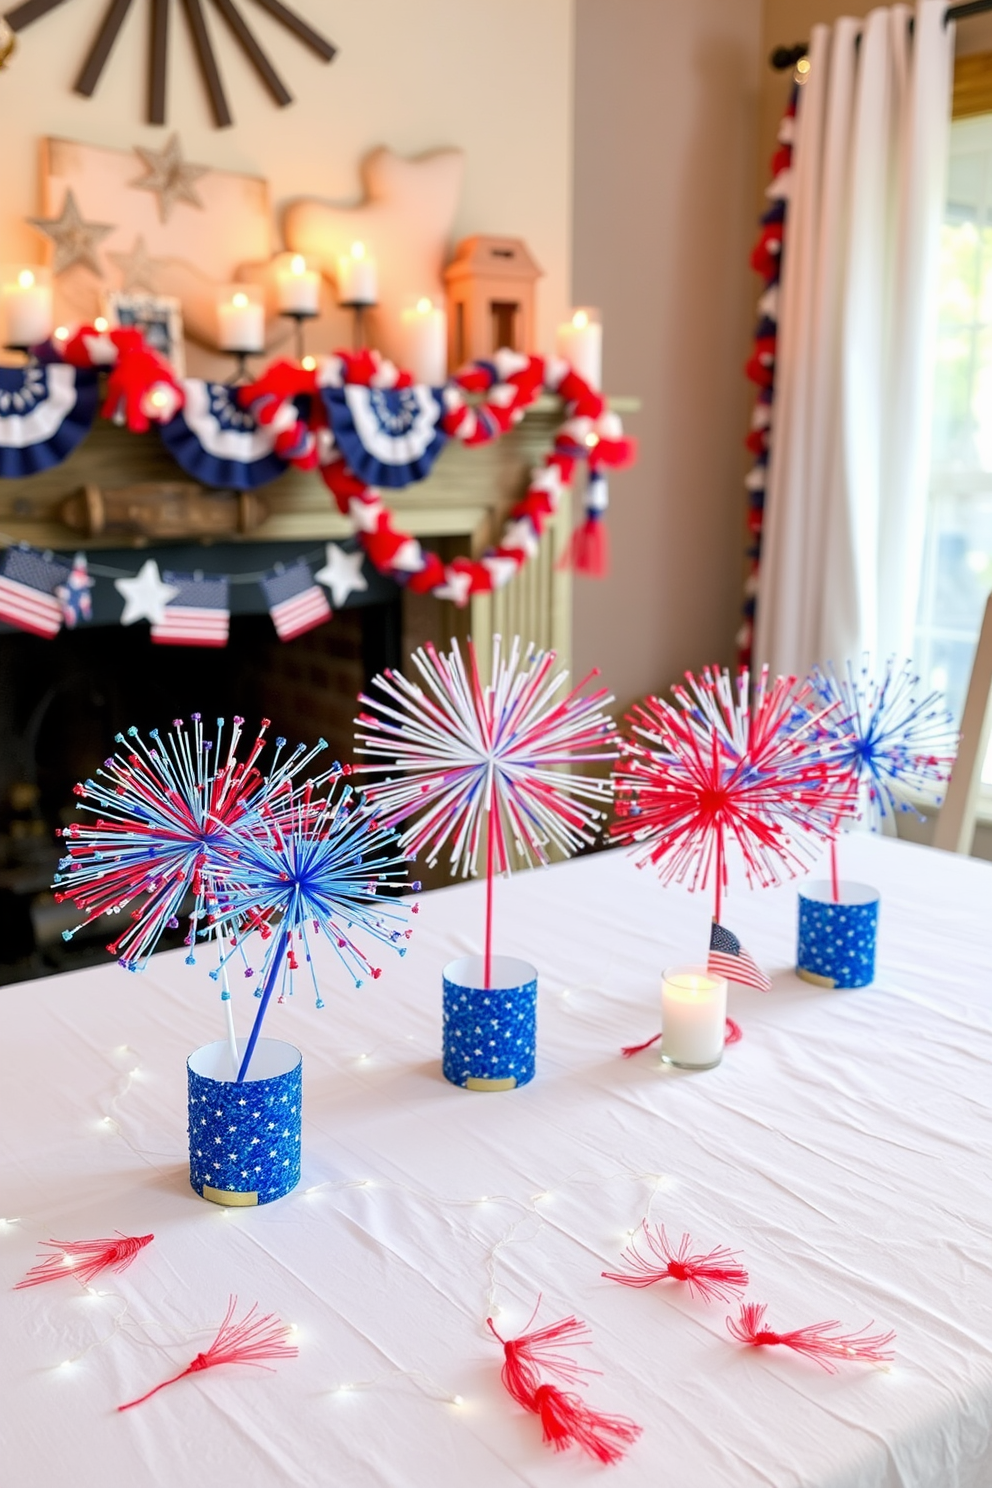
(311,38)
(208,63)
(254,53)
(31,10)
(102,47)
(156,61)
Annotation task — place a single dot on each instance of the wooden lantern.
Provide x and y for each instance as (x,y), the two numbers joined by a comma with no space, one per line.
(491,286)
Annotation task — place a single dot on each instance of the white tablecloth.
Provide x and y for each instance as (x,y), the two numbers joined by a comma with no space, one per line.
(843,1147)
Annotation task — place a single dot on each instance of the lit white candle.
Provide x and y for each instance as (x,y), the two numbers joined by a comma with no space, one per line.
(357,278)
(240,322)
(297,288)
(425,342)
(693,1017)
(580,342)
(27,309)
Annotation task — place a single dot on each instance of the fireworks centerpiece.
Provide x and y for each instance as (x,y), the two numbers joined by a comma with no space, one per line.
(896,748)
(257,861)
(725,775)
(471,770)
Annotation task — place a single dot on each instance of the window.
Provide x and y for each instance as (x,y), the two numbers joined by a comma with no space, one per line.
(957,565)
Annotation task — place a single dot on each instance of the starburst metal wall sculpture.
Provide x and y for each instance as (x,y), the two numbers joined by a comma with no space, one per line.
(96,60)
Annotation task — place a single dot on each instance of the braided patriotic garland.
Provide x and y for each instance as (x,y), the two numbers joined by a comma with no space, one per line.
(510,383)
(142,390)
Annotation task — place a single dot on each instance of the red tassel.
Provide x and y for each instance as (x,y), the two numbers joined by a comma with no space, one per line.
(565,1417)
(252,1341)
(716,1276)
(567,1420)
(589,552)
(733,1036)
(85,1259)
(820,1341)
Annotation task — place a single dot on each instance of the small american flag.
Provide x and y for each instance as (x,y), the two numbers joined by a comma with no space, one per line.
(199,615)
(295,602)
(27,592)
(728,958)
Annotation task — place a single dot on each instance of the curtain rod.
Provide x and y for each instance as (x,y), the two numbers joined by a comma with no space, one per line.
(784,57)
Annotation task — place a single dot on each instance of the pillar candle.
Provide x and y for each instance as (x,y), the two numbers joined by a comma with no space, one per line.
(27,309)
(298,288)
(241,323)
(580,342)
(425,342)
(693,1017)
(357,278)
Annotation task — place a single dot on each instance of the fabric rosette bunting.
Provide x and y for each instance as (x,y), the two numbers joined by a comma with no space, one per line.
(45,412)
(389,436)
(218,442)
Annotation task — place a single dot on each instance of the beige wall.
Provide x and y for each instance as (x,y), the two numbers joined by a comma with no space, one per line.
(492,76)
(666,97)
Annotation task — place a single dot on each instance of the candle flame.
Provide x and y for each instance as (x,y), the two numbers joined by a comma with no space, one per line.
(580,320)
(25,279)
(239,301)
(298,264)
(425,306)
(358,250)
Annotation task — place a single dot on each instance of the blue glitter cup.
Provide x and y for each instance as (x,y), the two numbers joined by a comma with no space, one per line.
(244,1140)
(837,940)
(489,1033)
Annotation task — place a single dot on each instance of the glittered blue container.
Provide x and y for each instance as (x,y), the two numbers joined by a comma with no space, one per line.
(837,940)
(490,1033)
(244,1140)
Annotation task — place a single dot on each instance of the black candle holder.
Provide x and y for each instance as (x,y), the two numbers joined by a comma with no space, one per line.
(300,318)
(241,374)
(358,309)
(27,352)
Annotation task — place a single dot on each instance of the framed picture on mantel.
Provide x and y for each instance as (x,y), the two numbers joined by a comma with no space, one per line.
(160,317)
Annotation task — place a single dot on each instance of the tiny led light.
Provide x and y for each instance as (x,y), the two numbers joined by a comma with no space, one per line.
(239,301)
(457,1400)
(61,333)
(25,279)
(309,363)
(100,324)
(802,66)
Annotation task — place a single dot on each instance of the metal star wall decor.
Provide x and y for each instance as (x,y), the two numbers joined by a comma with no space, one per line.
(170,177)
(32,10)
(75,240)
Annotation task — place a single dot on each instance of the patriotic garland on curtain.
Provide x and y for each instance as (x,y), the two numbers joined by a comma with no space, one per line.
(365,424)
(766,260)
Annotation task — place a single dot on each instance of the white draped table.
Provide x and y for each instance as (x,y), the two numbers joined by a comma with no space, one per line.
(844,1147)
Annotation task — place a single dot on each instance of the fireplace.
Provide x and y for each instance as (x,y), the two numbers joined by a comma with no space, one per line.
(62,702)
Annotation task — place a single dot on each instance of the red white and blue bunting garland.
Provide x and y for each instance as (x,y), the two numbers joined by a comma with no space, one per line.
(358,410)
(766,260)
(45,411)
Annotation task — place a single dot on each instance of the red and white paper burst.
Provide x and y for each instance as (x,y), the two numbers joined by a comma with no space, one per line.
(721,769)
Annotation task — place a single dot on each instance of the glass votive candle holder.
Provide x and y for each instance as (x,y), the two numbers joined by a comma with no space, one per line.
(489,1033)
(244,1139)
(837,937)
(693,1018)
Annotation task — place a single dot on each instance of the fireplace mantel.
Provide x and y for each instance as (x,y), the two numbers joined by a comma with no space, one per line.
(458,510)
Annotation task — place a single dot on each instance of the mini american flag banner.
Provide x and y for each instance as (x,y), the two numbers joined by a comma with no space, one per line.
(27,591)
(198,615)
(295,602)
(728,958)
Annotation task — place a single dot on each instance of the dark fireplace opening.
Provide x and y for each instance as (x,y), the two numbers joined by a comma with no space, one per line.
(62,701)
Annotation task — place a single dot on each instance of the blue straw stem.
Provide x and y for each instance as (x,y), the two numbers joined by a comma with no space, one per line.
(274,966)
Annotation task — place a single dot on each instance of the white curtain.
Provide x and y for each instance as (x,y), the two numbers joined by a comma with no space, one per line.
(846,499)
